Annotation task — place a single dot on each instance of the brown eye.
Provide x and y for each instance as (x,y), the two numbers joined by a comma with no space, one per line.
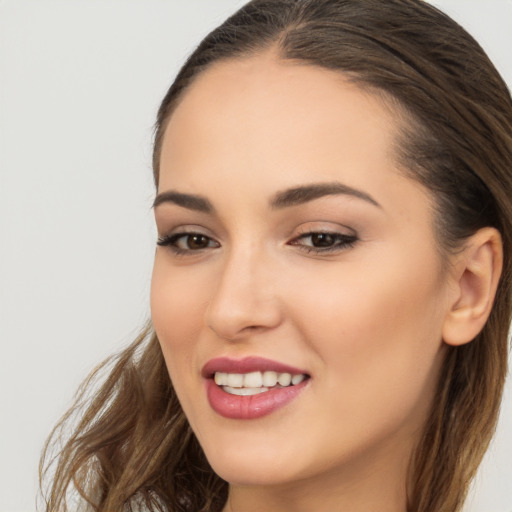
(324,242)
(323,239)
(195,242)
(187,242)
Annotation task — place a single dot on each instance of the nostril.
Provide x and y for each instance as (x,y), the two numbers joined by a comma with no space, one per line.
(253,328)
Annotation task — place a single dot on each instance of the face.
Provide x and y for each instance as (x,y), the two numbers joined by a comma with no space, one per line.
(291,246)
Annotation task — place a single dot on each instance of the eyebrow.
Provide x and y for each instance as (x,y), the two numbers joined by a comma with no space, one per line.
(284,199)
(305,193)
(189,201)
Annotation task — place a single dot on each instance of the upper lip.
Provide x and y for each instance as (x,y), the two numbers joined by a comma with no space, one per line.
(246,365)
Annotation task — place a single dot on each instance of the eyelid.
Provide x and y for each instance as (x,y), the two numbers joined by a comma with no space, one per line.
(184,229)
(325,227)
(340,241)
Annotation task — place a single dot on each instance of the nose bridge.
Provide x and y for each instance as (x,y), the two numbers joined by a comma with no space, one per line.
(245,298)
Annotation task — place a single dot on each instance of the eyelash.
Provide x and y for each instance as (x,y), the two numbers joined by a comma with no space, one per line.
(171,241)
(339,242)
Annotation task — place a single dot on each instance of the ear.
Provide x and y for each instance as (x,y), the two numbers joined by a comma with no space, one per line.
(476,273)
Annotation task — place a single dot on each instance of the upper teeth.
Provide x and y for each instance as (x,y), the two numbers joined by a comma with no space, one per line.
(257,379)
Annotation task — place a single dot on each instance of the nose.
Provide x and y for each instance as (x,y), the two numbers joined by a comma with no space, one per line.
(246,299)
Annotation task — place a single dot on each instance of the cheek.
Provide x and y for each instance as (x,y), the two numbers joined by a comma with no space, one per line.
(377,333)
(177,310)
(358,307)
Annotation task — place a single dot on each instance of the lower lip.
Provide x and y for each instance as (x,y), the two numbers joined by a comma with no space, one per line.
(250,407)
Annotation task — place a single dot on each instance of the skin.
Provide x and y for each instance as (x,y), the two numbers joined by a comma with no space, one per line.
(365,319)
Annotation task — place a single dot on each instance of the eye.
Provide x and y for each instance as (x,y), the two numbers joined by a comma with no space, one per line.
(182,243)
(324,241)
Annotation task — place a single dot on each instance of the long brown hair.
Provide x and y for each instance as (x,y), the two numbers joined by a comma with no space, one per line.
(131,445)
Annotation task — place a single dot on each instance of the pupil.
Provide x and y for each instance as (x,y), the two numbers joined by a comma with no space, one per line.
(197,242)
(322,239)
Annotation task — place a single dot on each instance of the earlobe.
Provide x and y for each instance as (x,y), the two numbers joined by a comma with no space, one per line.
(477,271)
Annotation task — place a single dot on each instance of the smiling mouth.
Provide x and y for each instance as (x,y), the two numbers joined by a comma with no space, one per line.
(254,383)
(251,387)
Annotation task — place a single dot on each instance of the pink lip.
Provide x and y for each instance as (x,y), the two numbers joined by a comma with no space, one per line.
(254,406)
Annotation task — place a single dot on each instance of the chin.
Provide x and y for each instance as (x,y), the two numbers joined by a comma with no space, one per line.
(255,474)
(256,464)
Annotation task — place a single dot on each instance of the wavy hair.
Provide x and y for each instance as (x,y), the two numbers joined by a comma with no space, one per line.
(130,447)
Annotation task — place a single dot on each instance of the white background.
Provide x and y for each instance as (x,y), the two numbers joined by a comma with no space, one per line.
(80,82)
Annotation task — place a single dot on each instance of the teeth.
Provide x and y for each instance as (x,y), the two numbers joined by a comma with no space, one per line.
(260,381)
(244,391)
(235,380)
(220,379)
(253,380)
(269,379)
(284,379)
(297,379)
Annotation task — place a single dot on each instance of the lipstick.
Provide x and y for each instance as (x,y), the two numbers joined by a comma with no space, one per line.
(258,402)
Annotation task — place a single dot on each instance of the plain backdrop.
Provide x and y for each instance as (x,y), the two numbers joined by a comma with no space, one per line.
(80,82)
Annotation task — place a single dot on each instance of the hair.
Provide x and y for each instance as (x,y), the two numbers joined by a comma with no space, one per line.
(132,446)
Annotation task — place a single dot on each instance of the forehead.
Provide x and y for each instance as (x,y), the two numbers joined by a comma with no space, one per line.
(290,89)
(263,95)
(260,124)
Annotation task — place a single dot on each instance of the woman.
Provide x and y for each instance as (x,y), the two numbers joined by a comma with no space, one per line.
(331,293)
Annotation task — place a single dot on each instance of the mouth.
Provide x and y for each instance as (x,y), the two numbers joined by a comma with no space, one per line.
(252,387)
